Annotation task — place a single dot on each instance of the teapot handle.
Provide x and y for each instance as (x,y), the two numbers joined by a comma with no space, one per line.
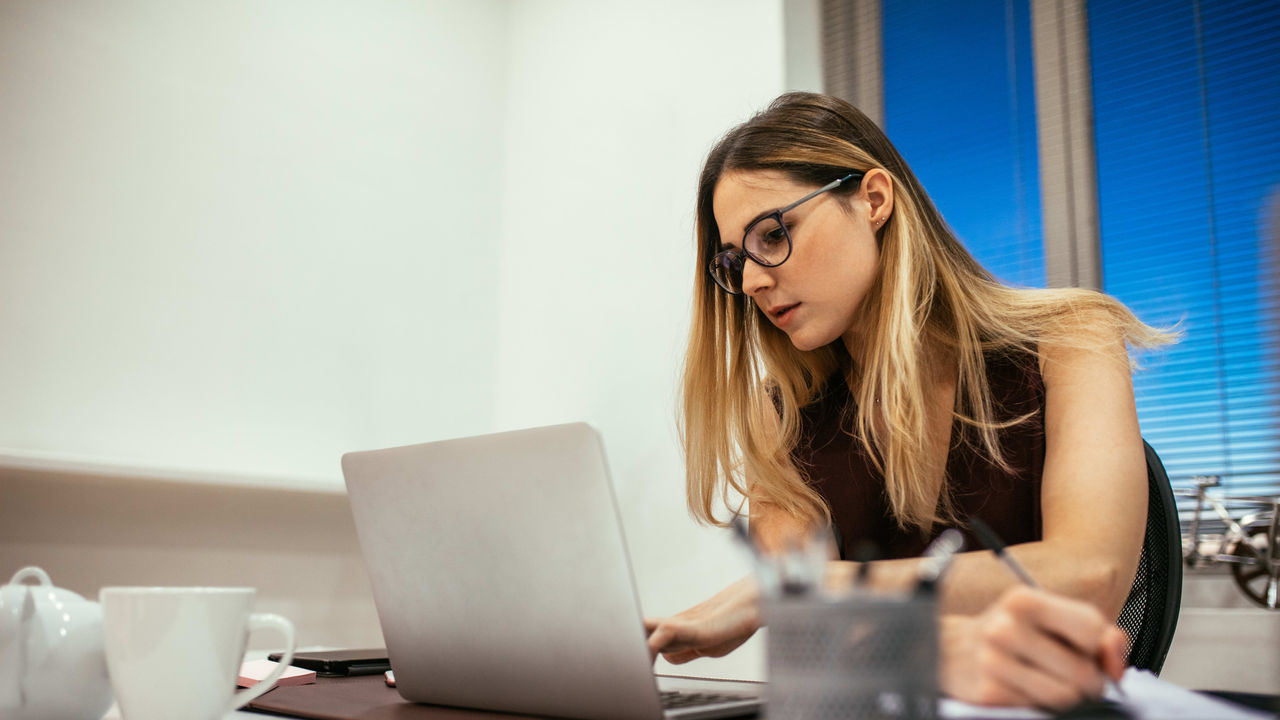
(13,644)
(30,572)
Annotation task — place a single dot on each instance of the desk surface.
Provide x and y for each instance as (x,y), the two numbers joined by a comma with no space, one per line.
(114,714)
(369,698)
(366,697)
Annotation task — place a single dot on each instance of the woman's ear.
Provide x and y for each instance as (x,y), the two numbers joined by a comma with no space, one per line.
(877,187)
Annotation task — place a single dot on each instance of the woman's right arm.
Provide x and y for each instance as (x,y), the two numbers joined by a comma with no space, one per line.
(712,628)
(719,624)
(1030,648)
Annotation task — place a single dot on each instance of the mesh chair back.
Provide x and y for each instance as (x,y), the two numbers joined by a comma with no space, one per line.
(1150,613)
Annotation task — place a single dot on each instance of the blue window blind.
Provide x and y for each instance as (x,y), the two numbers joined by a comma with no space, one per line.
(1185,100)
(960,107)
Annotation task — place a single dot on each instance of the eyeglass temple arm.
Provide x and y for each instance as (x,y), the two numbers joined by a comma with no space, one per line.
(829,186)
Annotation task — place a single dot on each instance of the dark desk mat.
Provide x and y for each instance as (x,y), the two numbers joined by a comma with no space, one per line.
(1253,701)
(369,698)
(357,698)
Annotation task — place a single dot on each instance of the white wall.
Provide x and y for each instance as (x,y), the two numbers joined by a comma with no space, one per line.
(612,108)
(240,237)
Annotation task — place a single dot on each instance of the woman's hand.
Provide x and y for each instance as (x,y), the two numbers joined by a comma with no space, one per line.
(1030,648)
(712,628)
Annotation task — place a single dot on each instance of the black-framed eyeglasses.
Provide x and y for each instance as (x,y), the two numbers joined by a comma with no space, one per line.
(767,242)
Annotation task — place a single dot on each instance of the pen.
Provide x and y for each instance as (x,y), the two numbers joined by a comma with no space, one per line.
(992,542)
(937,558)
(863,554)
(743,533)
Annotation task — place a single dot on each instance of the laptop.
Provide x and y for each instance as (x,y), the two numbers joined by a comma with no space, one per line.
(502,582)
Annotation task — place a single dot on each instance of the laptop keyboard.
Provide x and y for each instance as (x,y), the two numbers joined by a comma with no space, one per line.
(672,699)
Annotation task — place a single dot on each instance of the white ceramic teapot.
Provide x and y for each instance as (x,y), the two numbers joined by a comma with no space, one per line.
(52,665)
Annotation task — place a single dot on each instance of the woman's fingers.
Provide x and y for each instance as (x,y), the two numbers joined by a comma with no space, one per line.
(1031,682)
(1044,653)
(673,636)
(1031,648)
(1112,658)
(1101,645)
(682,657)
(1077,624)
(711,628)
(680,640)
(662,636)
(679,657)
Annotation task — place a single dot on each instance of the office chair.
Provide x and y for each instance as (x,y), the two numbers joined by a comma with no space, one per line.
(1150,613)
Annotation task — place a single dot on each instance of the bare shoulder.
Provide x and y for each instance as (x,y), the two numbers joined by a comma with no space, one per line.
(1089,401)
(1090,410)
(1087,339)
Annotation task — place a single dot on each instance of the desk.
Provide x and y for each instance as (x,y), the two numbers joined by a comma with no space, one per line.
(114,714)
(367,697)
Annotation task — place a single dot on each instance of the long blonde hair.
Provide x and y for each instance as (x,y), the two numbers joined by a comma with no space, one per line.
(745,384)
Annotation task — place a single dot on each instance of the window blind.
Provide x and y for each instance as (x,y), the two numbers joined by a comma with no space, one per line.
(1188,157)
(960,107)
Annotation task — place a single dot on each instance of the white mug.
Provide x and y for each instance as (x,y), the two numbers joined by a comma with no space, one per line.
(174,653)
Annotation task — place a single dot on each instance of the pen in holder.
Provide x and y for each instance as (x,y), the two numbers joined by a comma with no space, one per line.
(855,653)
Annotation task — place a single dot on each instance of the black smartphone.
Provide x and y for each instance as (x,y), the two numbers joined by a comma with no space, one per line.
(340,663)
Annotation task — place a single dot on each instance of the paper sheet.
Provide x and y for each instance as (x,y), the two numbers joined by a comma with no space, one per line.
(1147,697)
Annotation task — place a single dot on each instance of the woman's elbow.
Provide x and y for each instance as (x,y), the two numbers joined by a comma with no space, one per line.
(1103,582)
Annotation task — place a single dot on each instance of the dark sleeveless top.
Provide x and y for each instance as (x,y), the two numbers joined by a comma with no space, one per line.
(838,468)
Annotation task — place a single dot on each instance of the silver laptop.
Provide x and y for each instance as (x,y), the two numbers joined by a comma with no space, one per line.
(502,582)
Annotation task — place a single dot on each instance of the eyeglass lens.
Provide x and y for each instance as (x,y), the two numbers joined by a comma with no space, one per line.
(767,242)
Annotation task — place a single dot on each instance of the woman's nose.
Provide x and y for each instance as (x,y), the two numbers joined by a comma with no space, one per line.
(755,278)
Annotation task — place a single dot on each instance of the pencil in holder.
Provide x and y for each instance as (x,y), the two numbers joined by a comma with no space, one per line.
(864,656)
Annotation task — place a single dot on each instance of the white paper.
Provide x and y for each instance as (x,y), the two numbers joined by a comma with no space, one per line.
(1151,698)
(1146,697)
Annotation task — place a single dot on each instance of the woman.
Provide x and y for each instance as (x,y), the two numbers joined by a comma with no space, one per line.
(851,365)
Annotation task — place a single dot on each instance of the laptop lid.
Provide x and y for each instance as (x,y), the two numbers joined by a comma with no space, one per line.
(501,576)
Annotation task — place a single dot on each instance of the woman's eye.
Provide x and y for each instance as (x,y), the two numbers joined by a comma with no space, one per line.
(767,236)
(775,236)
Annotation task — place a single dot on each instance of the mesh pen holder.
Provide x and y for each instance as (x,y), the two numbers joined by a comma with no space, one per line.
(864,657)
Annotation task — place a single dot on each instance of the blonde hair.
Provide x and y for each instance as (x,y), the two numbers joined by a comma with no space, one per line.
(745,384)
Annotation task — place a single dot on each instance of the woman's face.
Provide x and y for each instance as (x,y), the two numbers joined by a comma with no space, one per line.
(815,295)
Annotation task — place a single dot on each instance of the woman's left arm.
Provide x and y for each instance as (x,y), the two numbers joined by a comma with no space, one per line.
(1093,495)
(1094,489)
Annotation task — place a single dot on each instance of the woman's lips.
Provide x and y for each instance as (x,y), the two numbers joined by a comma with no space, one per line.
(783,314)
